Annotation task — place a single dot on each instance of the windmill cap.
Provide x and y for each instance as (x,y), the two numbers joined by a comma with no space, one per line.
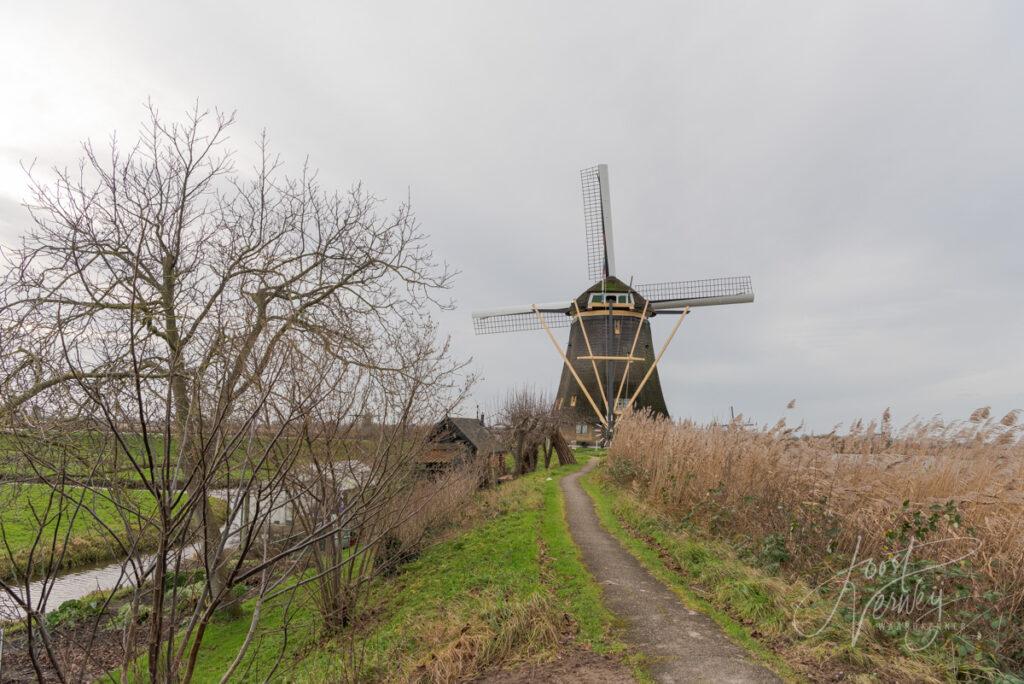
(610,284)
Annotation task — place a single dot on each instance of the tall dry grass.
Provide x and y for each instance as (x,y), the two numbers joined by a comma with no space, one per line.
(436,503)
(806,501)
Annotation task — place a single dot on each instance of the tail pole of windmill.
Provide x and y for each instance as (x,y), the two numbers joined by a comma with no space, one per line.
(609,364)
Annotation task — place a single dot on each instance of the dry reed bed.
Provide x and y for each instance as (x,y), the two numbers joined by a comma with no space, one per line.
(813,499)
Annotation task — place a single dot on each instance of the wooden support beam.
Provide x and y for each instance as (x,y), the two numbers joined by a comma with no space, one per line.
(568,364)
(632,348)
(656,360)
(593,359)
(610,358)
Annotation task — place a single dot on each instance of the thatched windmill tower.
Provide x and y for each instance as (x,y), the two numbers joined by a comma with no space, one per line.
(610,362)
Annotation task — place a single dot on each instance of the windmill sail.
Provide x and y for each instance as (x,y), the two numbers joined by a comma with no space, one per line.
(597,218)
(610,363)
(516,318)
(709,292)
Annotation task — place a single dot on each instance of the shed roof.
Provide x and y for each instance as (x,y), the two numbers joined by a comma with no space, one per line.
(472,431)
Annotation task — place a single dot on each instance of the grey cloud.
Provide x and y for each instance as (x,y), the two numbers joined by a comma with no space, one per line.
(862,161)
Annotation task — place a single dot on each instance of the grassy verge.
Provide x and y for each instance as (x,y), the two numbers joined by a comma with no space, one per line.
(88,519)
(616,511)
(573,584)
(282,635)
(25,509)
(509,589)
(753,607)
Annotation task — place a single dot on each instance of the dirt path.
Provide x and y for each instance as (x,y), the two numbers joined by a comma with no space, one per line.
(684,645)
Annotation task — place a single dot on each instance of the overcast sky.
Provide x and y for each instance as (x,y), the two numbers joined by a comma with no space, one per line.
(862,161)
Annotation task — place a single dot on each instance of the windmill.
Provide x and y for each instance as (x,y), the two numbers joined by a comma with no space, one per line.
(609,364)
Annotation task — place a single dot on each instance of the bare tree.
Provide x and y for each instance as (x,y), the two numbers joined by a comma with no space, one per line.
(171,305)
(529,423)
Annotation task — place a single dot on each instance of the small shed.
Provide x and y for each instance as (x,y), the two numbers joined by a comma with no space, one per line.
(455,440)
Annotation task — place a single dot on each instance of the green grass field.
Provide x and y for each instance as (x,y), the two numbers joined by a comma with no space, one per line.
(83,454)
(88,519)
(98,455)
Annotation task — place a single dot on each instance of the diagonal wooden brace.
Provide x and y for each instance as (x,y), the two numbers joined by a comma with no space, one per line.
(572,370)
(590,353)
(661,353)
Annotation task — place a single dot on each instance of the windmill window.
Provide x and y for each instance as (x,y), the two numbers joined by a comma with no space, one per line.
(618,327)
(572,400)
(612,299)
(581,428)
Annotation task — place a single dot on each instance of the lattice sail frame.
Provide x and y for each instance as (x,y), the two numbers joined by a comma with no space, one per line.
(597,222)
(709,288)
(678,294)
(516,322)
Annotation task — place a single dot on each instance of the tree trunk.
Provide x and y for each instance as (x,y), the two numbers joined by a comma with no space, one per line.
(565,455)
(213,560)
(520,466)
(532,454)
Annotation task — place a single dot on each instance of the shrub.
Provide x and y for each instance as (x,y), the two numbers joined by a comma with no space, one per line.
(124,615)
(183,578)
(75,610)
